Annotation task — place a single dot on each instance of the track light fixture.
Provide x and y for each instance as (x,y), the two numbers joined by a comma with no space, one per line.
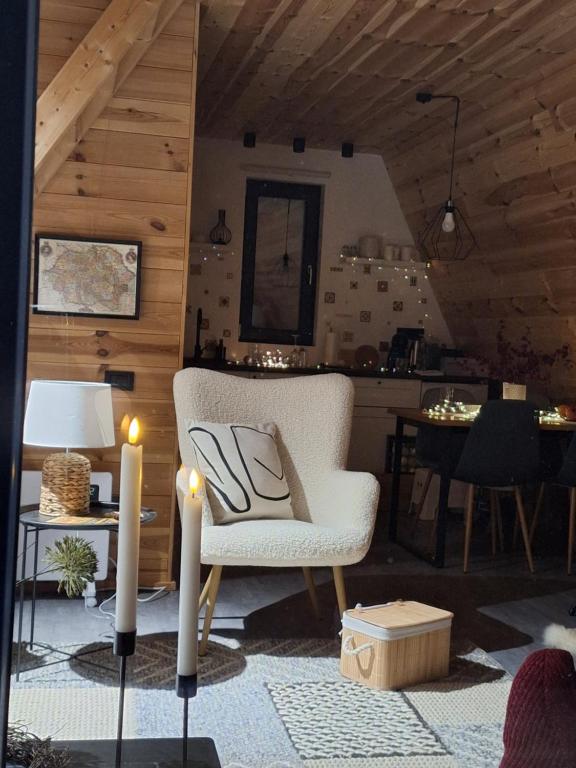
(347,149)
(299,145)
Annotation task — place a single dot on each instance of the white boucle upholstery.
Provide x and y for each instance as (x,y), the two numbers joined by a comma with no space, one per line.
(335,510)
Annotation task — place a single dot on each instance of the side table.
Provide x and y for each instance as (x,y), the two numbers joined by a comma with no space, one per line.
(101,516)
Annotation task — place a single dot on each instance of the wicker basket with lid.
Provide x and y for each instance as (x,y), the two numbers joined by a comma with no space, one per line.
(396,644)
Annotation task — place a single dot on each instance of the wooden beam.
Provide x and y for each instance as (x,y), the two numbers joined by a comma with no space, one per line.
(89,79)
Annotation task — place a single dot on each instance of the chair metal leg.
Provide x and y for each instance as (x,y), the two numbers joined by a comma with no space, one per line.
(432,537)
(493,516)
(524,527)
(420,506)
(499,522)
(311,586)
(468,532)
(204,593)
(215,575)
(571,525)
(340,588)
(537,508)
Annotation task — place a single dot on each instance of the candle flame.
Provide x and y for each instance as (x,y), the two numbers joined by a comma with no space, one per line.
(194,482)
(125,423)
(133,431)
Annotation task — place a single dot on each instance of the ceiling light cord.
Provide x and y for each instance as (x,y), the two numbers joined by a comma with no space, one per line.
(449,219)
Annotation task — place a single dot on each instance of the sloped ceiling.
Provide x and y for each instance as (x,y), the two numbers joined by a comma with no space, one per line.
(334,70)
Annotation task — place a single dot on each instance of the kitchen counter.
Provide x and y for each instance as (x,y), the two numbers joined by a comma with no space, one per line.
(228,367)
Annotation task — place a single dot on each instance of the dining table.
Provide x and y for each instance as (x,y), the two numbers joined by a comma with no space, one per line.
(453,426)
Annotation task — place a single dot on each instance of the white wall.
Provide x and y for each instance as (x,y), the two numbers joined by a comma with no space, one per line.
(358,199)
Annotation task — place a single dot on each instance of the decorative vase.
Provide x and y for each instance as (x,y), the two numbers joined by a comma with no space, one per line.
(221,235)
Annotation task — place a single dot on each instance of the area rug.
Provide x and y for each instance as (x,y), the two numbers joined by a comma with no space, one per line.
(272,703)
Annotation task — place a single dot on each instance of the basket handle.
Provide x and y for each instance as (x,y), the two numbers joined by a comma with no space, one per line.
(349,651)
(360,607)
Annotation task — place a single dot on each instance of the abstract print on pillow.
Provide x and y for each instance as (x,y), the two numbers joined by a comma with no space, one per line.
(244,476)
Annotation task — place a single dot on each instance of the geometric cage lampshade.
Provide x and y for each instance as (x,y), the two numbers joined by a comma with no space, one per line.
(68,414)
(454,242)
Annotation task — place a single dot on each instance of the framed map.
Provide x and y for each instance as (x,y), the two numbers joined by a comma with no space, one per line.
(86,277)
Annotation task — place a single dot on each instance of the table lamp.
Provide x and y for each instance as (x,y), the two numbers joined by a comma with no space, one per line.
(68,414)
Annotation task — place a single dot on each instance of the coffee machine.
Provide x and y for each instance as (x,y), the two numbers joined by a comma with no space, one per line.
(406,350)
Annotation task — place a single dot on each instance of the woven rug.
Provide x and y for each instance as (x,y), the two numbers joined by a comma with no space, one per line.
(277,703)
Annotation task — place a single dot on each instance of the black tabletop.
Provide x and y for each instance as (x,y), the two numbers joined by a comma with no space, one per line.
(101,516)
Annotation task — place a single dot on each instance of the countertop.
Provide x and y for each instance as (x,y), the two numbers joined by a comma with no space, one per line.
(228,367)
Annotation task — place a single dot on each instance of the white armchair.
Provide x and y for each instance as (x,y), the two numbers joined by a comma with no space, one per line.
(334,510)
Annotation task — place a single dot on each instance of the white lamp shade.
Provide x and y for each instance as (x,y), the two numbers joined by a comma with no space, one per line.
(69,414)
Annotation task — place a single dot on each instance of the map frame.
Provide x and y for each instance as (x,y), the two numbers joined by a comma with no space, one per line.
(40,289)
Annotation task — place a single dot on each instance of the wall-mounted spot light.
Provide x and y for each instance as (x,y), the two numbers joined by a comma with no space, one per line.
(299,144)
(250,140)
(347,149)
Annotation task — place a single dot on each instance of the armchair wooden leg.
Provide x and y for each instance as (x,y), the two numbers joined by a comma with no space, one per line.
(213,587)
(537,508)
(571,525)
(468,532)
(311,586)
(204,593)
(524,527)
(340,588)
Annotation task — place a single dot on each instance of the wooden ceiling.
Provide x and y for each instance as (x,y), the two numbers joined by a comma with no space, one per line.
(334,70)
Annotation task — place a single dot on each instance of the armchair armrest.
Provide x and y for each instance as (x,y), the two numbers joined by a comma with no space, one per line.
(347,500)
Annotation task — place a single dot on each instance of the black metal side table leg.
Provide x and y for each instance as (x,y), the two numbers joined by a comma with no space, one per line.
(21,601)
(34,580)
(396,470)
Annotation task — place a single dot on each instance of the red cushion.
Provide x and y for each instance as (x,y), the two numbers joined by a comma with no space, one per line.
(540,728)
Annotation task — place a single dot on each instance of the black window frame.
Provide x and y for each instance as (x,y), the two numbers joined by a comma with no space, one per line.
(312,195)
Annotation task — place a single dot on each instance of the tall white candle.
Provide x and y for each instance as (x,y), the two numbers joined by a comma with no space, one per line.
(190,579)
(129,532)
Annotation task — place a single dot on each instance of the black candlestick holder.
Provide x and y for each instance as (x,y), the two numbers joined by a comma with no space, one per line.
(186,689)
(124,646)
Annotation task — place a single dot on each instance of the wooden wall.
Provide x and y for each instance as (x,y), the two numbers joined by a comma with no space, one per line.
(130,177)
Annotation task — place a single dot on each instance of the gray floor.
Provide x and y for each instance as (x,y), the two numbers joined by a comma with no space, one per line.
(61,621)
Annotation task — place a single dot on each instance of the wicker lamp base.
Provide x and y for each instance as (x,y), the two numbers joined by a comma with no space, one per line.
(65,485)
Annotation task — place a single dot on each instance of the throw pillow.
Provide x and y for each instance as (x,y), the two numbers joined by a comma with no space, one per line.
(242,469)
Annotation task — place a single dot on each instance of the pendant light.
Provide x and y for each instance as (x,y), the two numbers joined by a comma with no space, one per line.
(447,237)
(285,272)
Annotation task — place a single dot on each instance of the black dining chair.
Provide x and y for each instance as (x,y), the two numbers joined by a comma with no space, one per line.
(566,477)
(501,453)
(431,445)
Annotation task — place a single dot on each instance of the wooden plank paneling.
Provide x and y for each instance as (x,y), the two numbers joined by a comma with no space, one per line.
(155,317)
(159,118)
(149,383)
(351,70)
(90,346)
(131,216)
(130,177)
(118,182)
(96,70)
(133,149)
